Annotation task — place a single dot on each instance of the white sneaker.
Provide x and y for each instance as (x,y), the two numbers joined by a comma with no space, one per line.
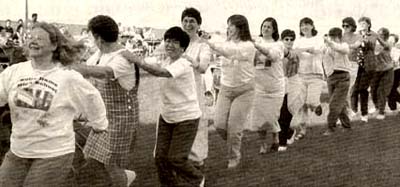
(380,116)
(282,148)
(364,118)
(233,163)
(263,148)
(131,176)
(352,114)
(290,141)
(203,181)
(392,112)
(372,110)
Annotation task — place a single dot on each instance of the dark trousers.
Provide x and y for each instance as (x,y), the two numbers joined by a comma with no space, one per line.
(360,90)
(284,122)
(44,172)
(394,96)
(382,83)
(174,143)
(338,88)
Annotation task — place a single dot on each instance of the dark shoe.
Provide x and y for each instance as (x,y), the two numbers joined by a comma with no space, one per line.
(274,147)
(348,126)
(318,110)
(222,133)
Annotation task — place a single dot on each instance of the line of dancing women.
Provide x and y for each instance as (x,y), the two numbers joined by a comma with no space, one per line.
(272,82)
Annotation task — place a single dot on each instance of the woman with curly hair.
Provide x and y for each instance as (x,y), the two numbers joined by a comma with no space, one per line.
(44,97)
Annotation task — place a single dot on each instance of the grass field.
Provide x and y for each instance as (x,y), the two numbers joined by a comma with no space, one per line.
(367,155)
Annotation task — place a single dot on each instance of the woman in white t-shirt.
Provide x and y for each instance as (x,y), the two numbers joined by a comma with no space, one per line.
(311,73)
(44,98)
(180,112)
(237,84)
(270,84)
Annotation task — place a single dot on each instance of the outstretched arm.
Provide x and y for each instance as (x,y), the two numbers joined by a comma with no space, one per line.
(151,68)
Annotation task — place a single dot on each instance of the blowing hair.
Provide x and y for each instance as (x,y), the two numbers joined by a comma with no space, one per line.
(241,23)
(64,52)
(275,34)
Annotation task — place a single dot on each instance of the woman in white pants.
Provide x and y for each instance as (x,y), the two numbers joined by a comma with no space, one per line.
(237,84)
(270,84)
(311,73)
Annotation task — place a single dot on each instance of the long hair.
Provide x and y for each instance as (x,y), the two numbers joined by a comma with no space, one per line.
(275,34)
(64,52)
(242,24)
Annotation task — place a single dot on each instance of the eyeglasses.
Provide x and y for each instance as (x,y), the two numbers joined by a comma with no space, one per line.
(345,26)
(289,39)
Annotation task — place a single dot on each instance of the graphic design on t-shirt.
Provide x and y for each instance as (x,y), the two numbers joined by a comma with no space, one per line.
(35,93)
(261,61)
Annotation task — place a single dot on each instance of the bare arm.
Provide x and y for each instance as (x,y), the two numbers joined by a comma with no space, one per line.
(337,47)
(151,68)
(100,72)
(273,55)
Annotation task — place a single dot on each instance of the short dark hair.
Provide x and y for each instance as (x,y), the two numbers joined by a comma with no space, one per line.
(242,24)
(351,22)
(396,37)
(288,33)
(335,32)
(177,34)
(366,19)
(104,27)
(34,15)
(385,32)
(275,35)
(308,20)
(193,13)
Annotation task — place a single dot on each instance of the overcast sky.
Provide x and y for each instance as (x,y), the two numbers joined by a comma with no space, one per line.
(166,13)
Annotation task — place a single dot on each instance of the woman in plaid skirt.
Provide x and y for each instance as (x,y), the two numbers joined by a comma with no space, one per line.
(117,80)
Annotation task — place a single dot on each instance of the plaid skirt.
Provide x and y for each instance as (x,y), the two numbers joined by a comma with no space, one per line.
(114,146)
